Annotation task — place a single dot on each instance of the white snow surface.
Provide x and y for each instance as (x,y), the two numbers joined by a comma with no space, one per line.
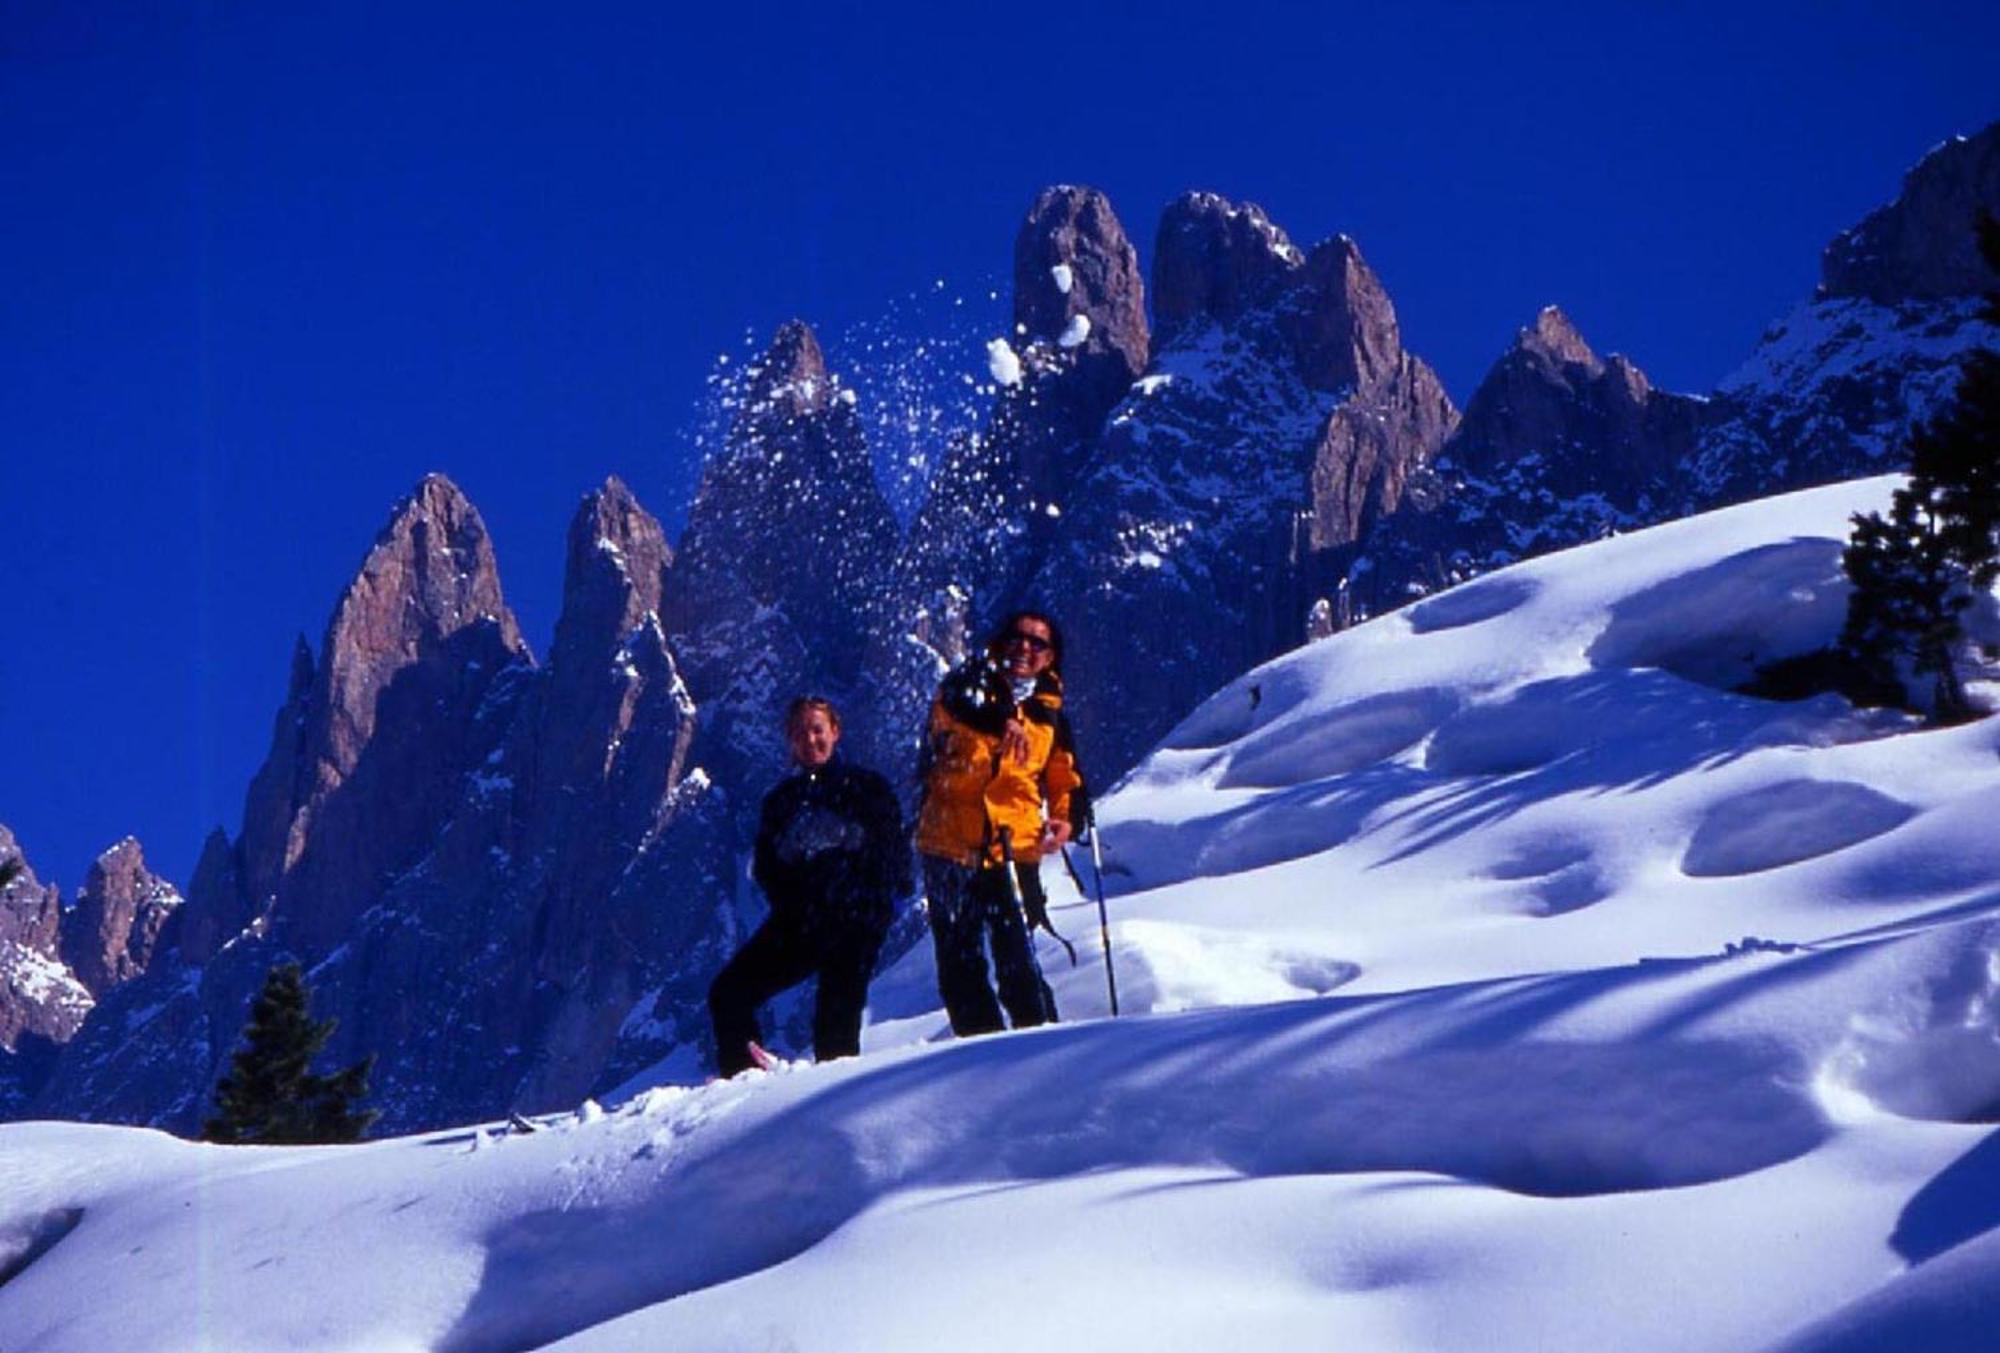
(1492,978)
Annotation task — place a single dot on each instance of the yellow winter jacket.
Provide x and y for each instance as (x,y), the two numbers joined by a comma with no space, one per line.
(971,791)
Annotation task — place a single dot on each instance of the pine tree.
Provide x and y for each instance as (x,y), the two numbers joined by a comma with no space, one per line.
(271,1095)
(1916,572)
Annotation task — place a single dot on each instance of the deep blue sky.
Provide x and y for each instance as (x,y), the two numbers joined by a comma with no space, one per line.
(260,269)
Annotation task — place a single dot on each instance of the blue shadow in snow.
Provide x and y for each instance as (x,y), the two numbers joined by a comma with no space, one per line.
(1960,1204)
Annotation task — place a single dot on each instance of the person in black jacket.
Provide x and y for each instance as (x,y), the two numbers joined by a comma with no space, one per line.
(832,858)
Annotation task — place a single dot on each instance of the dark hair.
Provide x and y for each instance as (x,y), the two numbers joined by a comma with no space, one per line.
(806,704)
(1006,627)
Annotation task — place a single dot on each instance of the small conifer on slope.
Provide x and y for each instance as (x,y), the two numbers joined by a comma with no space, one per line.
(271,1095)
(1917,571)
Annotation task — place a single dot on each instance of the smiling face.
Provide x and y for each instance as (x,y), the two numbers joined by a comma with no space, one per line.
(1027,648)
(812,737)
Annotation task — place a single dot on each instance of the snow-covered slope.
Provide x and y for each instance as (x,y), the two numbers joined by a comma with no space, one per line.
(1504,982)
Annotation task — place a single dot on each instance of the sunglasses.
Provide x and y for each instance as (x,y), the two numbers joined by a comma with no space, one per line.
(1034,641)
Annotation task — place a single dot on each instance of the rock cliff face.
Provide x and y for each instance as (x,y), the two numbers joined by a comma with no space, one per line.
(497,874)
(1280,416)
(1079,339)
(1559,446)
(42,1004)
(783,567)
(40,998)
(119,918)
(1833,389)
(1920,247)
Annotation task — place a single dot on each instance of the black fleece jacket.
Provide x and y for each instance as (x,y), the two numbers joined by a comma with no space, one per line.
(831,847)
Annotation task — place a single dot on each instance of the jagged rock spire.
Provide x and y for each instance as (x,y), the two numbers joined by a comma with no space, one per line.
(781,566)
(1080,324)
(120,914)
(1279,418)
(1592,424)
(1215,258)
(788,511)
(1554,339)
(790,379)
(1078,290)
(421,631)
(40,997)
(616,570)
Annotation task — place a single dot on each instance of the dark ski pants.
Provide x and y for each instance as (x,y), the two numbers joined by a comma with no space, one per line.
(783,953)
(969,910)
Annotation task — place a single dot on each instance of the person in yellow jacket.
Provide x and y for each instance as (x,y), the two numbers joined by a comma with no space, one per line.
(999,772)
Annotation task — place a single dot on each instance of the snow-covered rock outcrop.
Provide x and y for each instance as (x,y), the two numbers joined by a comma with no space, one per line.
(502,877)
(1834,387)
(1279,418)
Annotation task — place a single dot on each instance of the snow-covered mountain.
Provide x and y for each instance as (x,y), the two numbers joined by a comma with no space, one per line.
(1834,387)
(55,964)
(1494,977)
(1560,446)
(1278,419)
(783,565)
(42,1002)
(1261,459)
(504,878)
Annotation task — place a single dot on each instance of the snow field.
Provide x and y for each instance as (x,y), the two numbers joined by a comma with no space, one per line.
(1496,978)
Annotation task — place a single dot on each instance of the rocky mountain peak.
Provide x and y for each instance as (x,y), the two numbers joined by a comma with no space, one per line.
(792,474)
(1341,321)
(29,911)
(120,914)
(1587,422)
(39,997)
(430,574)
(1627,379)
(1921,246)
(790,379)
(1216,258)
(787,539)
(1555,341)
(413,644)
(1077,283)
(618,559)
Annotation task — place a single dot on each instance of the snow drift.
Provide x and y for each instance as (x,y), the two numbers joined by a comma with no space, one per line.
(1507,981)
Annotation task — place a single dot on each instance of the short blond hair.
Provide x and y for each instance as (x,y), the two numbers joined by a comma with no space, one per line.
(806,704)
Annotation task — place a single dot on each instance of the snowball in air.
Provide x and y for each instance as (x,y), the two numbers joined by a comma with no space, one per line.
(1075,332)
(1064,277)
(1003,363)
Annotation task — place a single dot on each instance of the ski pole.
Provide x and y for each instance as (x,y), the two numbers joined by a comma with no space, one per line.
(1103,917)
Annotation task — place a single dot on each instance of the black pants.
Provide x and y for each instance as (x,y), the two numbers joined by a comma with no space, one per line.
(785,951)
(970,908)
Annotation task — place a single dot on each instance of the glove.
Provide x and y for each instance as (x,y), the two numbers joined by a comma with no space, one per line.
(1082,812)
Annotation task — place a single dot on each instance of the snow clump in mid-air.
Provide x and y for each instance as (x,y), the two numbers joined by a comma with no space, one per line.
(1003,363)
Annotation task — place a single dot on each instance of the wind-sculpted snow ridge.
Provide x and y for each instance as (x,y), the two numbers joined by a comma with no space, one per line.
(1494,977)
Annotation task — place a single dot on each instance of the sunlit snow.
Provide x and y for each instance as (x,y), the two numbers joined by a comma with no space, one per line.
(1493,976)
